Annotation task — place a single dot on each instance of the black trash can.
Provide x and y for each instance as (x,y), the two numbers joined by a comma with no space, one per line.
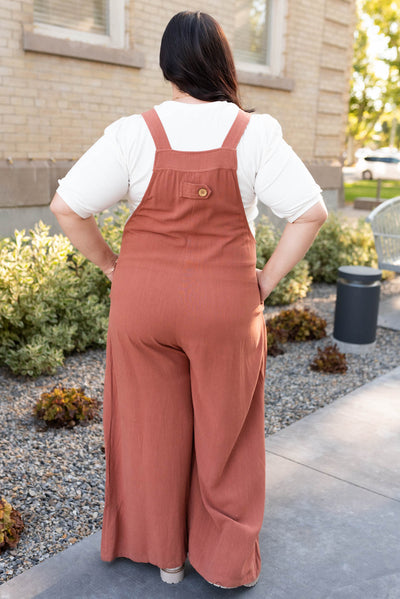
(356,310)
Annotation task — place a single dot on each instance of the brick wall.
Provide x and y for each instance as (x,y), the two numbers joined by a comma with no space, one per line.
(52,108)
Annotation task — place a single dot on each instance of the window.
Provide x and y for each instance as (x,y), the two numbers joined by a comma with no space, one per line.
(387,159)
(252,32)
(259,35)
(92,21)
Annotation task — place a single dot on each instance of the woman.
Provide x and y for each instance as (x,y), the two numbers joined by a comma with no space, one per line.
(183,408)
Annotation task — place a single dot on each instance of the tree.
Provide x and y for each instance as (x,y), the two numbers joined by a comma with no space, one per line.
(385,15)
(375,90)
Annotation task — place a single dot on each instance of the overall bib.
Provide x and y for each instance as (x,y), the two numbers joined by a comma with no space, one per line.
(183,409)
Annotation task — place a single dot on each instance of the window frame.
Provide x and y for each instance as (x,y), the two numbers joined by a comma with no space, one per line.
(277,44)
(116,38)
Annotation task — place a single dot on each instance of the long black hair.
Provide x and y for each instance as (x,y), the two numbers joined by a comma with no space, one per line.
(195,55)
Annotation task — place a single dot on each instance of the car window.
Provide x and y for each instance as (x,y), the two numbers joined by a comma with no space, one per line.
(387,159)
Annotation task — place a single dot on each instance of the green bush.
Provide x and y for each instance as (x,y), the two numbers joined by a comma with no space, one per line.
(341,244)
(296,283)
(53,301)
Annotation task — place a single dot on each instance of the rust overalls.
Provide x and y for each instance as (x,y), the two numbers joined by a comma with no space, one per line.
(183,410)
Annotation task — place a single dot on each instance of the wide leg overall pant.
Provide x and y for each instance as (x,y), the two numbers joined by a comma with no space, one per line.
(183,409)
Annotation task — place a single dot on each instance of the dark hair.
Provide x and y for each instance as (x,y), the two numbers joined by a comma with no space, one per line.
(195,55)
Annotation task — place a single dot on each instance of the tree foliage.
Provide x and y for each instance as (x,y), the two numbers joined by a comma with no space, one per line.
(385,15)
(374,98)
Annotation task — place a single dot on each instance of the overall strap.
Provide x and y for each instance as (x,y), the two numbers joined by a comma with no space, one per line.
(156,129)
(236,131)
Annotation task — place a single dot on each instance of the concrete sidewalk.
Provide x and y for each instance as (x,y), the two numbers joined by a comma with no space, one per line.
(331,527)
(389,313)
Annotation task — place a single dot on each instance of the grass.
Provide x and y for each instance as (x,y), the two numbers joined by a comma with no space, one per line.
(367,189)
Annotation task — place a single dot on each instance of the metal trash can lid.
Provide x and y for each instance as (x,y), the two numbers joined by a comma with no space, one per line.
(365,274)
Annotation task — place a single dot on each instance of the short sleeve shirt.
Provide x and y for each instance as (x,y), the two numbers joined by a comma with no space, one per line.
(120,163)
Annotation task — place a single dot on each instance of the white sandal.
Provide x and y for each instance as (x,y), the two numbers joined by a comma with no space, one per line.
(249,584)
(252,584)
(172,575)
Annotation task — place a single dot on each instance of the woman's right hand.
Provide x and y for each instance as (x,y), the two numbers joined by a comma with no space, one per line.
(109,270)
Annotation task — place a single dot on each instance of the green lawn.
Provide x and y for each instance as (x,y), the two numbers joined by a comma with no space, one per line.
(367,189)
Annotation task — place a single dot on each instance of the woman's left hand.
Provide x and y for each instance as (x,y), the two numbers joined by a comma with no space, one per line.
(262,293)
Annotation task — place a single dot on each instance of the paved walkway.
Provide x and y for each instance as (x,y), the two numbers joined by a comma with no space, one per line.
(389,313)
(331,527)
(351,214)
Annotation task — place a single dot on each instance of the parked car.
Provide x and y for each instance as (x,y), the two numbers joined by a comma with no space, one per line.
(378,167)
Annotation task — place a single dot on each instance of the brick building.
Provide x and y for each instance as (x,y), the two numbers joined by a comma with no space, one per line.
(67,70)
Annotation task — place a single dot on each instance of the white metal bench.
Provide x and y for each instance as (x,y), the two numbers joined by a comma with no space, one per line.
(385,224)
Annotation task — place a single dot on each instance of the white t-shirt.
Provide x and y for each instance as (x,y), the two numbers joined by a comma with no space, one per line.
(120,163)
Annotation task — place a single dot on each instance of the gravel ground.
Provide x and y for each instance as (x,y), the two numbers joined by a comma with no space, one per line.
(55,477)
(293,390)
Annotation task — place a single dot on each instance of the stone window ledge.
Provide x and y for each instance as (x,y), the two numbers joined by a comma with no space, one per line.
(261,79)
(37,42)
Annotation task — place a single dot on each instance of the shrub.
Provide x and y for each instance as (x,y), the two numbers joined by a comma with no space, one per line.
(65,407)
(53,301)
(330,360)
(341,244)
(11,525)
(296,283)
(297,325)
(274,343)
